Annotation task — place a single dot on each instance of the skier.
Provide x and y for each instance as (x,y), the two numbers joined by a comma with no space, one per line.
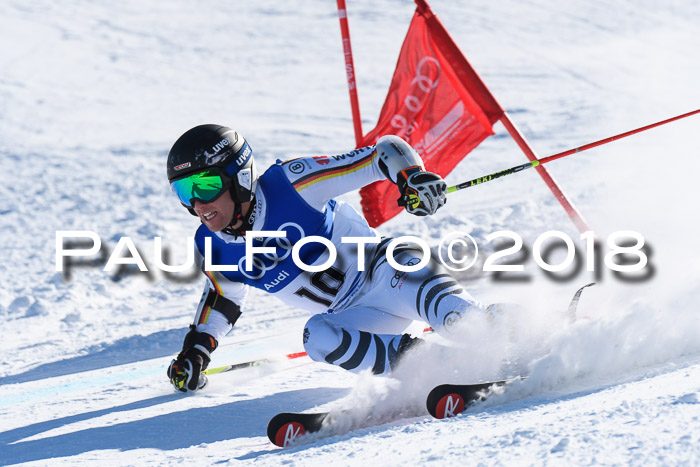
(360,313)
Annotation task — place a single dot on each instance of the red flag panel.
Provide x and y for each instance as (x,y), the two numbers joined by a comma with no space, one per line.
(436,102)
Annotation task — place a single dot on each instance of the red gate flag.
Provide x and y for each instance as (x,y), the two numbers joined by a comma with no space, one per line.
(436,102)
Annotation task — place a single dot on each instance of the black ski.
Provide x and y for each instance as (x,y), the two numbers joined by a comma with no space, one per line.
(448,400)
(284,428)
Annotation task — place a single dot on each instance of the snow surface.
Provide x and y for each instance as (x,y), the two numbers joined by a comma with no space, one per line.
(92,95)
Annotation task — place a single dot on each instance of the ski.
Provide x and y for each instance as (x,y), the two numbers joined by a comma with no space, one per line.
(449,400)
(573,305)
(284,428)
(444,401)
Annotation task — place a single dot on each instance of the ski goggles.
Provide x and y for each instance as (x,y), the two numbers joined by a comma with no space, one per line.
(205,186)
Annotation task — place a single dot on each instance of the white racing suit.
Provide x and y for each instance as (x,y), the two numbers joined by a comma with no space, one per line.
(359,315)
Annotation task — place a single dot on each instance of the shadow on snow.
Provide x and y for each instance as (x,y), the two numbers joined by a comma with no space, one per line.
(169,431)
(123,351)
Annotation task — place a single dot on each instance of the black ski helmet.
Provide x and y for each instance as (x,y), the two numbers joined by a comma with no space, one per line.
(207,146)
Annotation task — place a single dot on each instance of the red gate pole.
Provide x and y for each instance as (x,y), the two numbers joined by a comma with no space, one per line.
(350,71)
(572,212)
(487,100)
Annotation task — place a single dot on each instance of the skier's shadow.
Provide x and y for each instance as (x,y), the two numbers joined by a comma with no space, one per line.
(175,430)
(102,356)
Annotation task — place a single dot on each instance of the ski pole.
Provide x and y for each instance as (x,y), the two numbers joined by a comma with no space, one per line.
(265,361)
(519,168)
(252,363)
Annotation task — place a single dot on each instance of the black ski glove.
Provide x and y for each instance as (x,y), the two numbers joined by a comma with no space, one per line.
(422,193)
(185,372)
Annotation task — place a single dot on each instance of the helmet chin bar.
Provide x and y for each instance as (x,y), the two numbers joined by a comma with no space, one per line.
(236,215)
(243,217)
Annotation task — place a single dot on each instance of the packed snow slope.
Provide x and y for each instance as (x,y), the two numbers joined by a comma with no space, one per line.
(92,95)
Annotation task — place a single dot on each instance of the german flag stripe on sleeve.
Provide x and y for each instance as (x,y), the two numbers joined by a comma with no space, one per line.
(333,172)
(206,311)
